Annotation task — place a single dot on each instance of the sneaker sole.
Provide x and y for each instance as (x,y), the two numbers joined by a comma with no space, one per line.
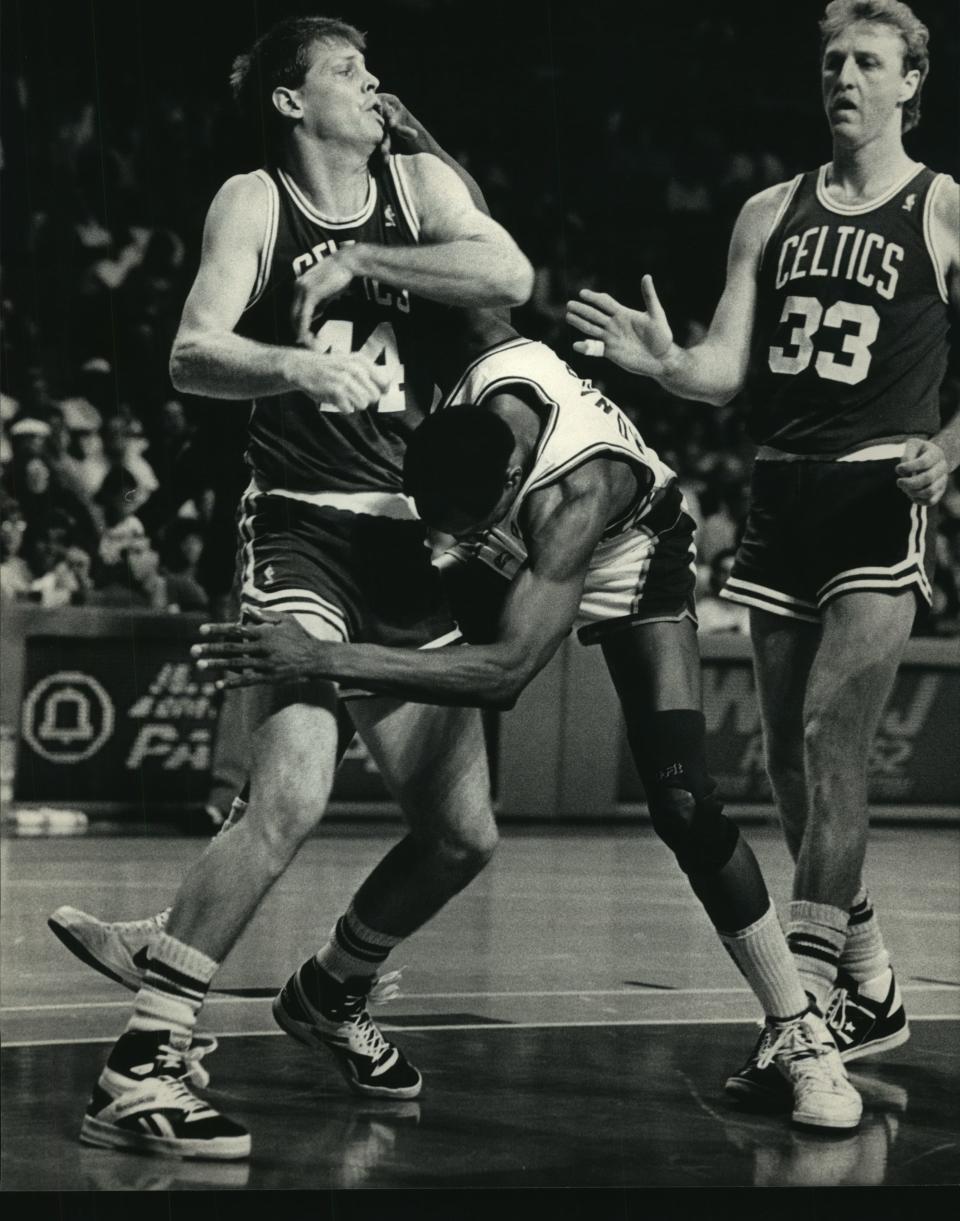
(108,1136)
(308,1035)
(875,1046)
(822,1124)
(76,947)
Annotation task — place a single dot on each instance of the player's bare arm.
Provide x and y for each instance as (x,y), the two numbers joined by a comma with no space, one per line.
(562,529)
(406,134)
(641,341)
(208,358)
(464,259)
(926,466)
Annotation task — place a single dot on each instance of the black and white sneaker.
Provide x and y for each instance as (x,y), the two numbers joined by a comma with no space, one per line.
(864,1027)
(319,1011)
(142,1102)
(117,949)
(759,1088)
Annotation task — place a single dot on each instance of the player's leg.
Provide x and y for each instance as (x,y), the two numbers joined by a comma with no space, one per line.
(434,762)
(863,640)
(655,668)
(118,949)
(142,1100)
(783,652)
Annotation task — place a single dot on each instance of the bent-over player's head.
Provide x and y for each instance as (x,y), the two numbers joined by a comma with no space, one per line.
(461,470)
(307,69)
(885,45)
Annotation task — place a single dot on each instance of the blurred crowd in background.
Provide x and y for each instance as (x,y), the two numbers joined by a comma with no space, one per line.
(605,158)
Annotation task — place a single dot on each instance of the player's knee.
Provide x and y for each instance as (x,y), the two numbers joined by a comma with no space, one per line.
(700,835)
(467,850)
(283,826)
(784,758)
(827,741)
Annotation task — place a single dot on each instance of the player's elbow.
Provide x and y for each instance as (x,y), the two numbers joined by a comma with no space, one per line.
(505,682)
(519,278)
(183,364)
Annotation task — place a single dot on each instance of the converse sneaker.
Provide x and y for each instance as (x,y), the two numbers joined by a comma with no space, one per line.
(118,950)
(762,1089)
(142,1102)
(806,1056)
(319,1011)
(861,1026)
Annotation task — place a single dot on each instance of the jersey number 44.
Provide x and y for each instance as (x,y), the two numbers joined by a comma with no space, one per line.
(337,337)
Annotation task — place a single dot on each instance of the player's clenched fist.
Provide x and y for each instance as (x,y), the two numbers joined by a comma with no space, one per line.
(636,340)
(349,383)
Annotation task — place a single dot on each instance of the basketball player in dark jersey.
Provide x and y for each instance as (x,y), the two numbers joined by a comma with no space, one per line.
(835,317)
(316,298)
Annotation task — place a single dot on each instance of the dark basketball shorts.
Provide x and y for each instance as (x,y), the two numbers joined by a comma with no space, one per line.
(356,576)
(818,529)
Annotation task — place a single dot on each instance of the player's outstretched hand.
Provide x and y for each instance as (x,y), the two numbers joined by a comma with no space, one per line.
(401,129)
(922,471)
(272,649)
(636,340)
(349,383)
(316,287)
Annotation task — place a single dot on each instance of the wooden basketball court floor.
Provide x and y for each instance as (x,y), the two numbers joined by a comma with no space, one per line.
(572,1012)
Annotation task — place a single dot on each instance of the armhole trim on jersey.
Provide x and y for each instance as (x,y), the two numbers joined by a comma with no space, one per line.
(938,270)
(404,195)
(781,212)
(500,347)
(269,242)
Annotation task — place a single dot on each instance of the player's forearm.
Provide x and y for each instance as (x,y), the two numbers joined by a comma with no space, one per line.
(222,365)
(468,273)
(706,373)
(482,676)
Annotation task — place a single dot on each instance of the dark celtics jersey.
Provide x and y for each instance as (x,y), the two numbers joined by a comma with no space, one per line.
(850,337)
(306,446)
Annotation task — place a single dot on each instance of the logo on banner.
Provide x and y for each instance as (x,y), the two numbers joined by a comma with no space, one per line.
(67,717)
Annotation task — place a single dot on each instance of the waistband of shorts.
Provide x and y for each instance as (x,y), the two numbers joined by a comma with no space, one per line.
(369,504)
(881,452)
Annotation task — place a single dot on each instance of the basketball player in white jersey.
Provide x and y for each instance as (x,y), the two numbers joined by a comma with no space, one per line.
(318,298)
(835,318)
(562,514)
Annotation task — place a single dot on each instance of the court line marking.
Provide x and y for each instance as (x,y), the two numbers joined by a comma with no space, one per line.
(217,999)
(269,1034)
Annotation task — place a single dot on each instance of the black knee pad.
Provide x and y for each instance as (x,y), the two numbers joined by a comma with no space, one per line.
(702,838)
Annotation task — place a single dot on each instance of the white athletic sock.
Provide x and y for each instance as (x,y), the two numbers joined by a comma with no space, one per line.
(764,959)
(174,987)
(354,949)
(816,935)
(865,958)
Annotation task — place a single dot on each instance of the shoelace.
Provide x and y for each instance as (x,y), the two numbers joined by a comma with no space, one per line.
(366,1035)
(836,1014)
(798,1044)
(795,1041)
(145,928)
(187,1060)
(185,1068)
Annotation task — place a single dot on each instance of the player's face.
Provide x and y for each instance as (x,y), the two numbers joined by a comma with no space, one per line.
(863,82)
(338,96)
(461,526)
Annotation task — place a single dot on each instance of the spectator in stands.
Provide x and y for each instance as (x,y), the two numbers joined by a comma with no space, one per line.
(182,548)
(15,574)
(45,502)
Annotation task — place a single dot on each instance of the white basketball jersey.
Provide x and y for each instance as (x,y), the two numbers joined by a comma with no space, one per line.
(581,424)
